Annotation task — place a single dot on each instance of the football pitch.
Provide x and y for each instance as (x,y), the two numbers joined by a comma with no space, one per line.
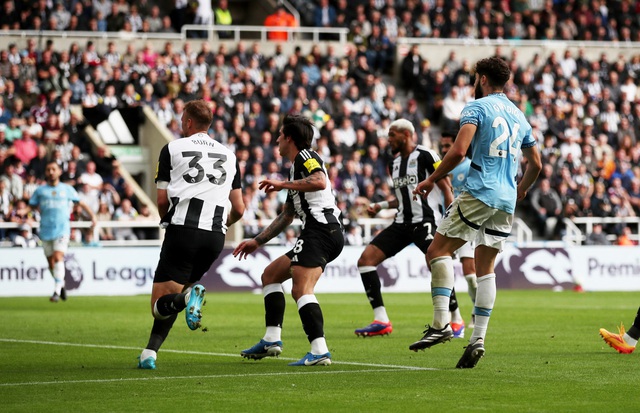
(543,354)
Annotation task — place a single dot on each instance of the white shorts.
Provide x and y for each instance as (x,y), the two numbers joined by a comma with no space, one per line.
(61,244)
(466,251)
(473,220)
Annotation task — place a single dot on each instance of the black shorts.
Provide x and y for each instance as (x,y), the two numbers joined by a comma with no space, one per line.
(397,237)
(316,247)
(187,254)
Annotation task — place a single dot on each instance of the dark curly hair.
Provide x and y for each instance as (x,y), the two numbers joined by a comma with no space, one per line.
(299,129)
(495,69)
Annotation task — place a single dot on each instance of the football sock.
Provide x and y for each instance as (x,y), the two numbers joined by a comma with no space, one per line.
(631,337)
(58,276)
(168,305)
(453,301)
(372,286)
(146,353)
(319,346)
(380,314)
(160,331)
(274,306)
(311,317)
(454,308)
(472,283)
(485,299)
(441,285)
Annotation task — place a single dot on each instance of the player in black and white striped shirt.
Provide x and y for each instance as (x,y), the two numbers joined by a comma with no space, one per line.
(320,242)
(196,178)
(415,222)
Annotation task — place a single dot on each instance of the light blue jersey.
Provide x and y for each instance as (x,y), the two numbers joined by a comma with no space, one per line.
(502,131)
(459,176)
(55,204)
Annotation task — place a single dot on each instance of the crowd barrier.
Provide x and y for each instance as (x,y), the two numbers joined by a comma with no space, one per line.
(129,271)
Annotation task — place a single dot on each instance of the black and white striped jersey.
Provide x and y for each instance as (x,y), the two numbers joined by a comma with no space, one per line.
(406,174)
(313,208)
(198,174)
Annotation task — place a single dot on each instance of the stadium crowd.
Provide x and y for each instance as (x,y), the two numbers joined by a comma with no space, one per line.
(584,111)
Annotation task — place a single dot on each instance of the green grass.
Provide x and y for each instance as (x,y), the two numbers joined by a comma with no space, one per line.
(543,354)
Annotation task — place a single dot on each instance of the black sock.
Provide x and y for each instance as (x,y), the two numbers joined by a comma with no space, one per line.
(634,331)
(453,301)
(372,287)
(160,331)
(274,304)
(312,321)
(170,304)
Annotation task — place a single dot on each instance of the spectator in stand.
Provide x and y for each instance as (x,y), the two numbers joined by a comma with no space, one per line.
(548,208)
(13,182)
(125,212)
(223,17)
(25,149)
(92,179)
(626,238)
(25,237)
(280,18)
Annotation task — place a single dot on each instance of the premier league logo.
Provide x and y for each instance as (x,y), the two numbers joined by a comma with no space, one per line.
(73,275)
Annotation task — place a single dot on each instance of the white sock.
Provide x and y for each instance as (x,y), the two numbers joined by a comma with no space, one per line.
(485,299)
(273,333)
(456,317)
(380,314)
(441,285)
(187,296)
(472,284)
(58,276)
(319,346)
(146,353)
(630,340)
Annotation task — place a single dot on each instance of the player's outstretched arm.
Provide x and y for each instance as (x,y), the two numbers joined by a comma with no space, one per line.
(314,182)
(534,166)
(376,207)
(282,221)
(237,206)
(453,157)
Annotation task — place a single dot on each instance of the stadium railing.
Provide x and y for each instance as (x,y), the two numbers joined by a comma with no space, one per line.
(101,224)
(579,227)
(313,32)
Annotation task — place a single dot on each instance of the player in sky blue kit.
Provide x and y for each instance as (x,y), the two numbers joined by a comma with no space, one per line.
(55,200)
(497,130)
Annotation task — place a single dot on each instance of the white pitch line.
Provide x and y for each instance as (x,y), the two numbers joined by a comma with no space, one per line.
(204,353)
(209,376)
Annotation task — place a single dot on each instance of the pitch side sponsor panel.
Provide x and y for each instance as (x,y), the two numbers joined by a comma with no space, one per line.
(88,271)
(596,268)
(129,271)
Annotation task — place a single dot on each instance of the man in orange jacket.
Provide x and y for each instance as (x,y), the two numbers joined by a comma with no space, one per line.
(280,19)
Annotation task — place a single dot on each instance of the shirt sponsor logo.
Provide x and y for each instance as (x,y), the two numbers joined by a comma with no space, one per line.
(405,181)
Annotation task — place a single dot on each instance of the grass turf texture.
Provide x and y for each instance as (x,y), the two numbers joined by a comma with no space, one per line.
(543,354)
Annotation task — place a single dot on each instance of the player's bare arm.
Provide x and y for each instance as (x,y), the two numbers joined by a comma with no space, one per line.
(376,207)
(314,182)
(282,221)
(237,206)
(447,190)
(534,166)
(453,157)
(163,202)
